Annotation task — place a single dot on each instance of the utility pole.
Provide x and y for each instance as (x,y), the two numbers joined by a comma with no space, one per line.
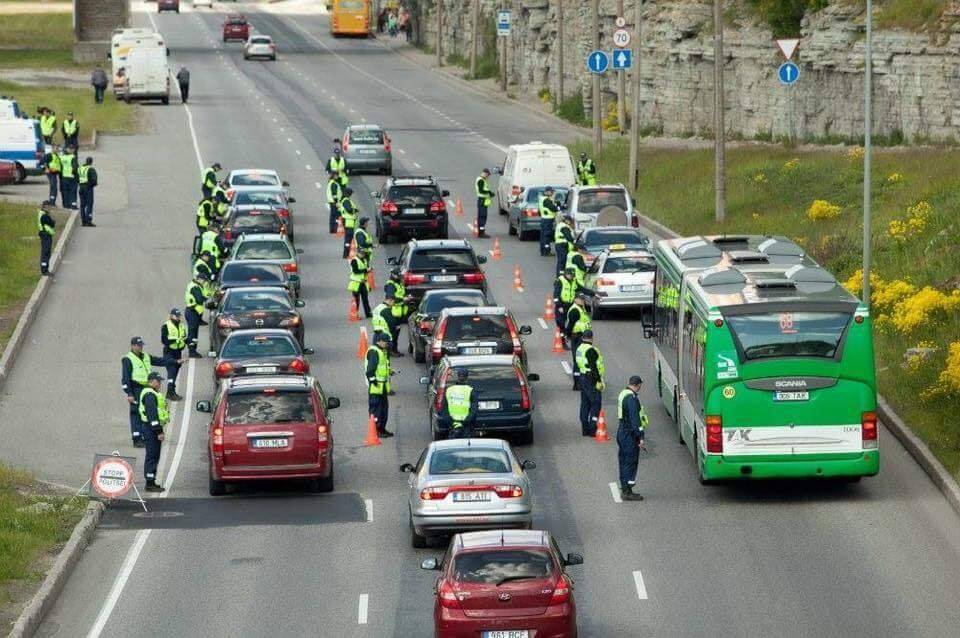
(502,42)
(622,85)
(867,148)
(719,130)
(597,133)
(560,51)
(439,32)
(475,39)
(635,110)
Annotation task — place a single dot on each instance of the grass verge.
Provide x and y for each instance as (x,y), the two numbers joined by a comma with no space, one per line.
(916,246)
(37,40)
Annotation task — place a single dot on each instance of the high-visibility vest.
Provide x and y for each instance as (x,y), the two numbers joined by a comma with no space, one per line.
(483,190)
(458,402)
(399,294)
(334,192)
(70,127)
(200,266)
(586,171)
(44,228)
(139,368)
(84,173)
(580,272)
(189,300)
(358,279)
(545,213)
(162,413)
(54,164)
(380,323)
(66,165)
(348,210)
(568,289)
(208,177)
(362,238)
(204,212)
(48,124)
(559,236)
(176,335)
(582,359)
(583,322)
(623,395)
(382,374)
(337,164)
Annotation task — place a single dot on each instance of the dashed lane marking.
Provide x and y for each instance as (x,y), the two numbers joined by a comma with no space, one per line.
(543,323)
(641,588)
(566,367)
(417,165)
(309,168)
(615,492)
(368,502)
(362,609)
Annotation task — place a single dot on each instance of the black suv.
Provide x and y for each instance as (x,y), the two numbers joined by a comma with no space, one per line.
(428,264)
(411,207)
(477,331)
(421,322)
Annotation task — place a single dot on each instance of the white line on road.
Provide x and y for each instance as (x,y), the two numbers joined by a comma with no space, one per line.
(369,504)
(362,609)
(417,165)
(125,570)
(298,152)
(282,129)
(543,323)
(615,491)
(319,185)
(641,588)
(566,367)
(309,168)
(402,152)
(290,139)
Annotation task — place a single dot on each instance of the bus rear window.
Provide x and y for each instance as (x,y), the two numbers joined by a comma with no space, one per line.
(789,334)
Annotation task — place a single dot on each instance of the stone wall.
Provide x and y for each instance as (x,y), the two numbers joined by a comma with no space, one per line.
(916,81)
(94,22)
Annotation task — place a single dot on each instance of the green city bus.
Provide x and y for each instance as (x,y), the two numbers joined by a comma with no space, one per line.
(763,360)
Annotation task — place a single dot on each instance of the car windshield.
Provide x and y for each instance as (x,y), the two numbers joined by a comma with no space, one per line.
(258,199)
(533,194)
(270,406)
(413,195)
(258,346)
(493,381)
(476,327)
(238,21)
(469,460)
(440,258)
(242,301)
(789,334)
(251,272)
(366,136)
(254,179)
(602,238)
(261,40)
(593,201)
(494,566)
(433,303)
(629,264)
(266,249)
(256,219)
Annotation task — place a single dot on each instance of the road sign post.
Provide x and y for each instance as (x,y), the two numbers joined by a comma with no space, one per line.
(503,22)
(503,30)
(620,35)
(789,73)
(635,110)
(595,100)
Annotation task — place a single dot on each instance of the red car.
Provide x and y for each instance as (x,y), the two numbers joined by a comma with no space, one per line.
(9,174)
(270,428)
(236,27)
(504,584)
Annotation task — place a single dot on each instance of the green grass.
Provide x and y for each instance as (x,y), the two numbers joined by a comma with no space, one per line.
(572,110)
(676,188)
(915,15)
(37,40)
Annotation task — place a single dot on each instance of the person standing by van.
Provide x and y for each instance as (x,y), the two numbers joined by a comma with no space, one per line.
(484,197)
(98,79)
(51,163)
(71,131)
(88,181)
(183,79)
(46,228)
(48,124)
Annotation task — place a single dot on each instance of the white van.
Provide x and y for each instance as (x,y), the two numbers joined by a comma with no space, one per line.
(533,164)
(21,143)
(121,43)
(148,76)
(9,108)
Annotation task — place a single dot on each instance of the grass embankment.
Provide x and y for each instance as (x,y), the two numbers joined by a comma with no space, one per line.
(916,246)
(33,522)
(37,40)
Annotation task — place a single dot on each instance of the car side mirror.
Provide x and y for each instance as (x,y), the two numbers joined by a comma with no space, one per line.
(533,376)
(299,303)
(292,200)
(392,261)
(299,251)
(481,259)
(430,564)
(633,201)
(309,351)
(203,406)
(444,193)
(377,195)
(573,559)
(406,467)
(526,330)
(284,183)
(333,403)
(211,354)
(528,464)
(424,380)
(497,170)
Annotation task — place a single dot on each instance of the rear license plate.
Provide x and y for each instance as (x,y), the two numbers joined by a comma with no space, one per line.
(413,211)
(269,443)
(636,288)
(488,405)
(471,497)
(261,369)
(476,350)
(367,151)
(506,633)
(791,396)
(442,279)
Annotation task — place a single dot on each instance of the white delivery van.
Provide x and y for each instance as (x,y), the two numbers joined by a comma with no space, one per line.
(148,75)
(21,143)
(9,108)
(533,164)
(121,43)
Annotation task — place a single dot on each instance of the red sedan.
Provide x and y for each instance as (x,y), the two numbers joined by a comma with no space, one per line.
(504,584)
(8,173)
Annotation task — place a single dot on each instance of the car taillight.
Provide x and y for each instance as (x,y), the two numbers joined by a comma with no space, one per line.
(290,266)
(410,278)
(283,212)
(514,336)
(515,190)
(223,369)
(289,322)
(508,491)
(868,430)
(606,282)
(226,322)
(434,493)
(473,278)
(322,434)
(448,596)
(437,207)
(345,144)
(217,440)
(635,221)
(437,346)
(531,212)
(524,392)
(299,366)
(561,593)
(388,207)
(714,434)
(426,325)
(230,193)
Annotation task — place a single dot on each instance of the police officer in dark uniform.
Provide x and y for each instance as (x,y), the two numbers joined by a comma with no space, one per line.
(338,165)
(208,179)
(459,406)
(563,241)
(153,416)
(378,373)
(134,372)
(195,299)
(400,310)
(578,322)
(51,167)
(586,171)
(363,239)
(46,229)
(87,180)
(385,322)
(350,212)
(548,209)
(633,422)
(334,194)
(173,336)
(484,197)
(204,264)
(564,292)
(357,285)
(591,368)
(206,213)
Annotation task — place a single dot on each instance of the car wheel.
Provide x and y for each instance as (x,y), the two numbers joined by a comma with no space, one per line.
(526,438)
(21,173)
(510,229)
(322,484)
(419,356)
(274,58)
(165,100)
(217,488)
(416,540)
(596,312)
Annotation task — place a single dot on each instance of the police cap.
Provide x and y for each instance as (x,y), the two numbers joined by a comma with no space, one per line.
(154,376)
(635,380)
(136,341)
(485,171)
(216,166)
(548,189)
(381,337)
(348,191)
(201,276)
(175,312)
(587,334)
(363,220)
(570,271)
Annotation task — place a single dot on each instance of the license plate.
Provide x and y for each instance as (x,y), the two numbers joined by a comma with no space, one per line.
(488,405)
(637,288)
(269,443)
(506,633)
(471,497)
(442,279)
(367,151)
(791,396)
(261,369)
(413,211)
(476,350)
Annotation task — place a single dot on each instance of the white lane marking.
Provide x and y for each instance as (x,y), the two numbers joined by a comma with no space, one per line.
(309,168)
(274,120)
(282,129)
(319,185)
(182,433)
(402,152)
(125,570)
(363,119)
(352,111)
(417,165)
(362,609)
(641,588)
(543,323)
(368,501)
(615,491)
(289,139)
(298,152)
(566,367)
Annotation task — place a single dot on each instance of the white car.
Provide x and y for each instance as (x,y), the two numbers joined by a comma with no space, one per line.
(260,46)
(255,179)
(532,164)
(620,279)
(203,3)
(601,205)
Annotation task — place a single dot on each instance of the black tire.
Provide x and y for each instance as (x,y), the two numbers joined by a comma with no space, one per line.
(511,230)
(525,438)
(419,356)
(165,100)
(596,313)
(416,540)
(21,173)
(322,484)
(217,488)
(381,236)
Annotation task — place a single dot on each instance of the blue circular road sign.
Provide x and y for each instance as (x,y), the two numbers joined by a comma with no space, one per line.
(788,73)
(598,61)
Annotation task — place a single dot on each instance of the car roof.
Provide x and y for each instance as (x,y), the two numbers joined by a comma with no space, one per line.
(412,180)
(248,237)
(440,243)
(247,171)
(606,252)
(617,229)
(502,538)
(536,145)
(255,289)
(595,187)
(436,292)
(447,444)
(475,310)
(275,381)
(497,360)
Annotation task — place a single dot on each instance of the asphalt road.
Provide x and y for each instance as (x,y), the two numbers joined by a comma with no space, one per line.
(795,559)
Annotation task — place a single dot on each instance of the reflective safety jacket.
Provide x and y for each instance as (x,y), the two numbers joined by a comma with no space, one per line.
(378,370)
(195,297)
(175,335)
(584,366)
(458,403)
(483,190)
(578,321)
(547,208)
(156,416)
(358,274)
(349,212)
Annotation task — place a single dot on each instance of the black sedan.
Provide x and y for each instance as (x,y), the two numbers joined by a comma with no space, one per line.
(250,222)
(421,322)
(252,352)
(254,307)
(254,273)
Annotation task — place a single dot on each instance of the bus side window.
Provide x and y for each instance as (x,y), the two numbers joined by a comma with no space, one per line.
(694,333)
(665,318)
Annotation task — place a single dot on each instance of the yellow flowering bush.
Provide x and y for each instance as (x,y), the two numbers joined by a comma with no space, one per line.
(790,165)
(887,294)
(855,153)
(822,209)
(756,216)
(759,178)
(894,178)
(950,376)
(914,224)
(920,308)
(855,282)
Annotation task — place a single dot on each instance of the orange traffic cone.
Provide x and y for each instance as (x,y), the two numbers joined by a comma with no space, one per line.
(496,248)
(458,209)
(557,341)
(353,250)
(517,281)
(372,437)
(371,281)
(548,309)
(362,345)
(340,230)
(354,311)
(601,436)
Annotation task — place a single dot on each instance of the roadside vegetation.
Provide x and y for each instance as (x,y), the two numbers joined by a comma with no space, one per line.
(37,40)
(815,198)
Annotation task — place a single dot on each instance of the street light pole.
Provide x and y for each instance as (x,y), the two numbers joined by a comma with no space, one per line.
(439,32)
(867,148)
(621,86)
(719,130)
(560,51)
(635,109)
(597,133)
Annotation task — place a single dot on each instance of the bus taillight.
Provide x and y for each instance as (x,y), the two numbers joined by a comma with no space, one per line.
(714,434)
(868,430)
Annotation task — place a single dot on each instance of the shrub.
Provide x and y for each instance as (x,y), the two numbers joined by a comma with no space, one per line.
(822,209)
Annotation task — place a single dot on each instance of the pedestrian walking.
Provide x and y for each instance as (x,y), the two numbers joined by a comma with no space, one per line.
(357,285)
(459,406)
(51,167)
(98,80)
(392,24)
(378,373)
(208,179)
(71,131)
(334,195)
(484,197)
(564,292)
(548,209)
(48,124)
(586,171)
(590,366)
(46,229)
(578,323)
(404,23)
(173,336)
(350,213)
(153,415)
(630,432)
(400,310)
(183,80)
(87,180)
(195,299)
(134,372)
(563,241)
(69,167)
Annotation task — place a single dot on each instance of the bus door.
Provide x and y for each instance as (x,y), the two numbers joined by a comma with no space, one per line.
(685,339)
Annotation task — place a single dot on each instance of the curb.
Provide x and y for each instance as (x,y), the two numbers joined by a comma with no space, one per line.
(940,476)
(32,615)
(33,304)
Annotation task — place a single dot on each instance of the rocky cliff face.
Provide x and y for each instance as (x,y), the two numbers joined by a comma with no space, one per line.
(916,81)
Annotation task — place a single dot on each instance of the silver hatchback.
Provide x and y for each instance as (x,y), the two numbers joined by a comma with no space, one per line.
(366,147)
(467,484)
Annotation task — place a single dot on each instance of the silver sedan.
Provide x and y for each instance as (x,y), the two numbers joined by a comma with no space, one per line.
(467,484)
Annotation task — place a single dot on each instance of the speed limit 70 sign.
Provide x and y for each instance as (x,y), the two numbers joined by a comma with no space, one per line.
(621,38)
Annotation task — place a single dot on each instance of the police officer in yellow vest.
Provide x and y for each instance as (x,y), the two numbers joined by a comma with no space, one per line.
(208,179)
(48,124)
(363,239)
(134,369)
(221,203)
(46,229)
(334,194)
(586,171)
(384,322)
(563,241)
(173,336)
(88,181)
(71,131)
(195,299)
(630,432)
(350,214)
(484,197)
(51,166)
(460,407)
(378,373)
(210,242)
(205,213)
(575,260)
(548,209)
(359,267)
(153,415)
(564,292)
(203,264)
(69,167)
(394,289)
(578,322)
(338,165)
(590,366)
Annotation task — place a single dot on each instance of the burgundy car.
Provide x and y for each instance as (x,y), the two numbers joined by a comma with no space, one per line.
(236,27)
(8,173)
